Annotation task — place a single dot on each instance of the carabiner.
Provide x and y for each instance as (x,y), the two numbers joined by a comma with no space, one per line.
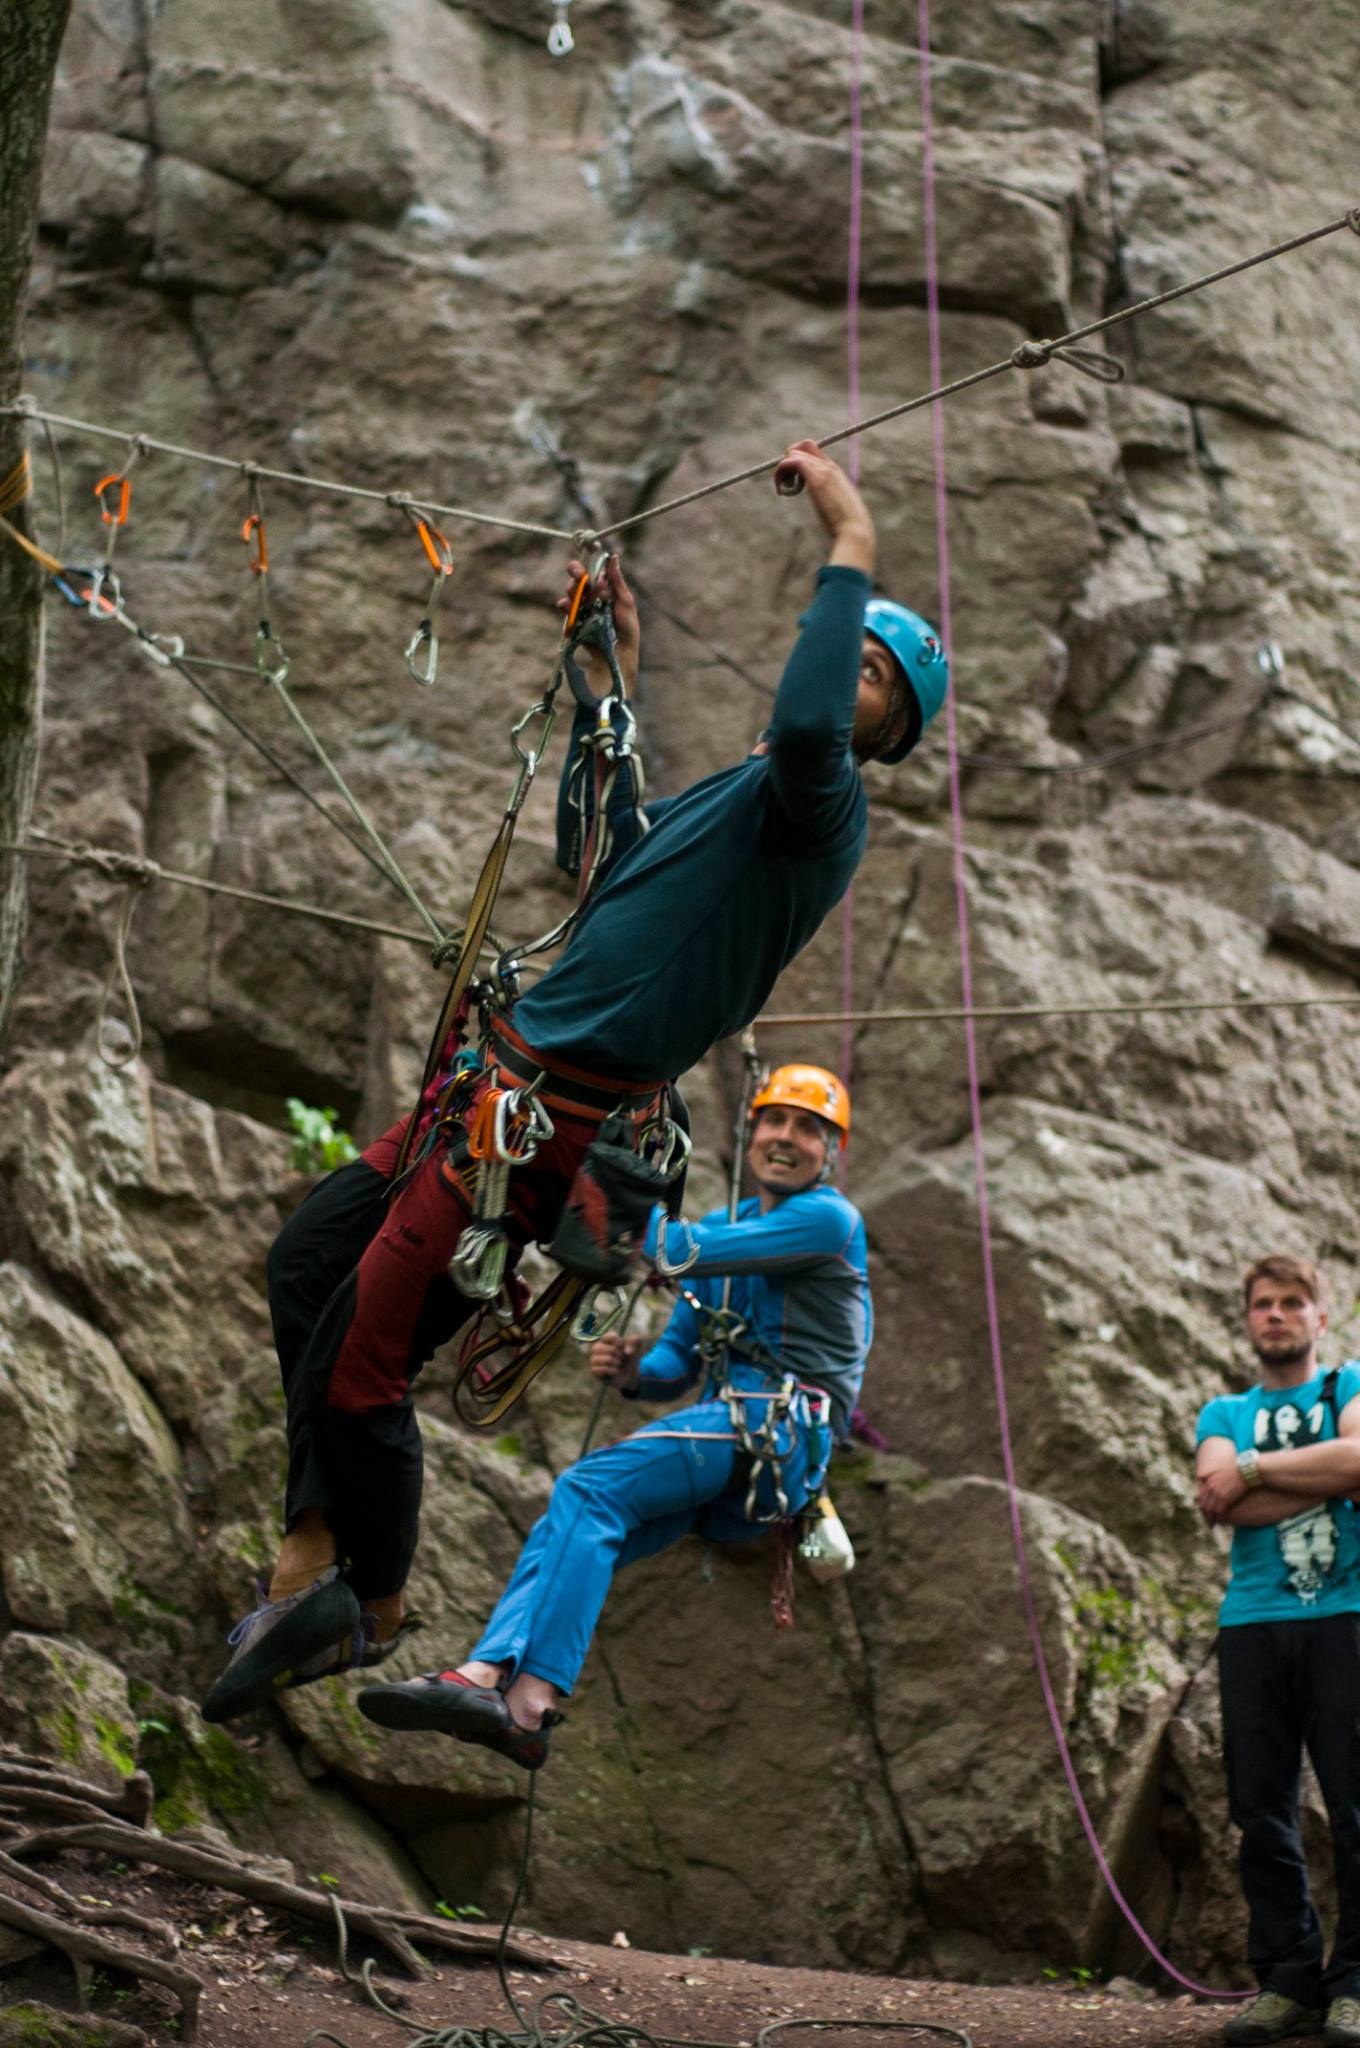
(538,1125)
(165,648)
(481,1130)
(561,41)
(97,604)
(590,1322)
(424,636)
(275,669)
(252,529)
(477,1267)
(121,478)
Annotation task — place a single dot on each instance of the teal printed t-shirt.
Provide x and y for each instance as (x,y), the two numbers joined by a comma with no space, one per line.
(1309,1566)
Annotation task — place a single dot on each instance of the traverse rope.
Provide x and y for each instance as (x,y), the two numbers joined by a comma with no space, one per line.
(1030,355)
(24,407)
(1027,1597)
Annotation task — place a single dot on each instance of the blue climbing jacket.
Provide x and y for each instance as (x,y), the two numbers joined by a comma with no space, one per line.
(800,1283)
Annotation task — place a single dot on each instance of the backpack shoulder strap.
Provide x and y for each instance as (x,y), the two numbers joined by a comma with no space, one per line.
(1329,1396)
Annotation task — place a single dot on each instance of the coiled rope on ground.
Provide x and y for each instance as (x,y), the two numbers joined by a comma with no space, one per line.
(559,2020)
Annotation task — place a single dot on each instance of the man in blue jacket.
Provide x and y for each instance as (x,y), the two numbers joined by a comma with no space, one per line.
(1279,1465)
(783,1363)
(705,900)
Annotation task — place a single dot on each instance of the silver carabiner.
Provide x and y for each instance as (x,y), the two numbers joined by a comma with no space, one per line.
(424,636)
(275,670)
(97,604)
(516,1102)
(164,648)
(477,1267)
(590,1322)
(561,41)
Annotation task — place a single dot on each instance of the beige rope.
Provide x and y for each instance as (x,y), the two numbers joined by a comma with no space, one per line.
(1029,355)
(786,1020)
(24,408)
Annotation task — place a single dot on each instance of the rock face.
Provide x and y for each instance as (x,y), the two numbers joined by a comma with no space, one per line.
(393,242)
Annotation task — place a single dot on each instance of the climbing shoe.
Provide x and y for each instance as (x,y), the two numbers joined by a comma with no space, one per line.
(1273,2017)
(359,1651)
(451,1705)
(1343,2023)
(273,1644)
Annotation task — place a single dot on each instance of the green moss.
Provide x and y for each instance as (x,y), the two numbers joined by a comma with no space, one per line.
(510,1444)
(113,1745)
(65,1727)
(1113,1632)
(197,1772)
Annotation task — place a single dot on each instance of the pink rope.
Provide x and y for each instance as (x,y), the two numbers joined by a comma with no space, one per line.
(970,1030)
(852,464)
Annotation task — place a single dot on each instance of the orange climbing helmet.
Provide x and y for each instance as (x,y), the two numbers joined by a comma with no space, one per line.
(810,1088)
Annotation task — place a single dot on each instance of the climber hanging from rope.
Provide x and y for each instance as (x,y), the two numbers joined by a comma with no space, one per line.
(775,1318)
(690,927)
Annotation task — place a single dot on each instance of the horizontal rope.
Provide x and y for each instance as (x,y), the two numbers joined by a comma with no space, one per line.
(24,408)
(781,1020)
(130,867)
(1030,355)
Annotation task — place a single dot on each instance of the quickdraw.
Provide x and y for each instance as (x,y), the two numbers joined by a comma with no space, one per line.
(439,554)
(508,1126)
(271,661)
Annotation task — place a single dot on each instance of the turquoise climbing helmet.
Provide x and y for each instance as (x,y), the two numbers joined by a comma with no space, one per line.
(919,653)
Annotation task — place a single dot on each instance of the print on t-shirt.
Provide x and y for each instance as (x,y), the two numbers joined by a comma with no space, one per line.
(1308,1543)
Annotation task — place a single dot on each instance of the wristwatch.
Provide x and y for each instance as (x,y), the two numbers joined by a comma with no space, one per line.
(1249,1465)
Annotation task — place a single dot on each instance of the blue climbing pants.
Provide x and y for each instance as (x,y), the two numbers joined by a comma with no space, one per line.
(683,1472)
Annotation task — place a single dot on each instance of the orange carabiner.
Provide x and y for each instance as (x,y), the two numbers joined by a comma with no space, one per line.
(482,1128)
(252,528)
(437,547)
(118,518)
(578,596)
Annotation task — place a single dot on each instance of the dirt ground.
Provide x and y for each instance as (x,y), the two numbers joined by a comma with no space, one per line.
(271,1982)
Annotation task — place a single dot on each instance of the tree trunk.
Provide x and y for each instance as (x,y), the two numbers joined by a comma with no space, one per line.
(30,37)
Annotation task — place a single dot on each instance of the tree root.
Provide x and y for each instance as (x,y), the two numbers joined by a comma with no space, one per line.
(116,1824)
(88,1952)
(93,1916)
(132,1801)
(385,1925)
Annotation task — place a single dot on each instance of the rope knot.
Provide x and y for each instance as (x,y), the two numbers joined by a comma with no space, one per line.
(1032,355)
(1353,219)
(115,866)
(448,951)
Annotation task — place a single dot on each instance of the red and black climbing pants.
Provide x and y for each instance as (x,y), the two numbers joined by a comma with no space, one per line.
(361,1299)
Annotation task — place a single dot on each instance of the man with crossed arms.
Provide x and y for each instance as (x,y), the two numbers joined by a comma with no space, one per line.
(1279,1464)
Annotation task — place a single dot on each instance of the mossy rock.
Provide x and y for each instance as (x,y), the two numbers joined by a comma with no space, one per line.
(64,1701)
(41,2026)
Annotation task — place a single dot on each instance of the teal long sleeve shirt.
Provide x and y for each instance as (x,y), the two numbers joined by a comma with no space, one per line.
(697,917)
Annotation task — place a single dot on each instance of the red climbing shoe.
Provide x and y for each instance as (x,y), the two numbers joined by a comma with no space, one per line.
(451,1705)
